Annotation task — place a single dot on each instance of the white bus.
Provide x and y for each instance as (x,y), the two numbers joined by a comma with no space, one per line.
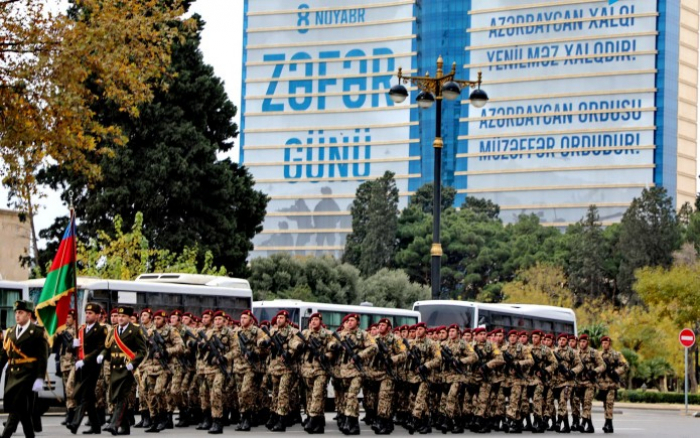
(299,312)
(528,317)
(10,291)
(187,292)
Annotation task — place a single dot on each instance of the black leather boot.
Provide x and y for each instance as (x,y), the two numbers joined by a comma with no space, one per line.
(244,425)
(564,425)
(528,424)
(183,419)
(141,422)
(587,426)
(608,428)
(206,422)
(353,426)
(271,421)
(279,425)
(217,426)
(575,426)
(155,421)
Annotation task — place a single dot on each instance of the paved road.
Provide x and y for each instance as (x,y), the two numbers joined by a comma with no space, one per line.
(630,423)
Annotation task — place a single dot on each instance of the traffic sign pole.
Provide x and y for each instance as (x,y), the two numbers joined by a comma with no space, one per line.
(686,381)
(687,340)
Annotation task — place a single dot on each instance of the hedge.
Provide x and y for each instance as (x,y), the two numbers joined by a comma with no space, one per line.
(638,396)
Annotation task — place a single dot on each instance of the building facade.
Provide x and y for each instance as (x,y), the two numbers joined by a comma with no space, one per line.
(15,238)
(591,102)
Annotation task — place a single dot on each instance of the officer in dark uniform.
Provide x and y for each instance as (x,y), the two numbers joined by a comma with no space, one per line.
(26,353)
(91,342)
(125,348)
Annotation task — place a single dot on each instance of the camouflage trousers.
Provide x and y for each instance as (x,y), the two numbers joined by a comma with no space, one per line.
(385,399)
(370,393)
(575,403)
(482,401)
(498,401)
(451,397)
(230,396)
(247,390)
(141,383)
(561,395)
(402,398)
(538,400)
(470,396)
(175,393)
(211,393)
(549,400)
(585,394)
(339,392)
(68,378)
(609,402)
(155,391)
(515,395)
(315,395)
(420,405)
(193,391)
(352,387)
(281,392)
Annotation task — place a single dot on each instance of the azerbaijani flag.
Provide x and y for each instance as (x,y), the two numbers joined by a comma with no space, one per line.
(59,286)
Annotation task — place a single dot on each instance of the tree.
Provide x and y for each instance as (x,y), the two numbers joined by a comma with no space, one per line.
(169,170)
(540,284)
(392,288)
(423,198)
(531,243)
(482,206)
(46,59)
(372,243)
(129,254)
(649,233)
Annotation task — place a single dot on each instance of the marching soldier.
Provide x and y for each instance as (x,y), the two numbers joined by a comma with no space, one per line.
(616,367)
(182,374)
(429,352)
(593,366)
(490,358)
(165,344)
(391,353)
(518,361)
(217,346)
(145,319)
(545,364)
(357,347)
(125,349)
(456,354)
(26,353)
(90,339)
(102,391)
(201,383)
(64,343)
(315,369)
(569,365)
(246,367)
(283,343)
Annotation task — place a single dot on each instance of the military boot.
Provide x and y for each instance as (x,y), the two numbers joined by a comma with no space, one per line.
(206,421)
(587,426)
(140,424)
(369,417)
(575,426)
(564,425)
(556,424)
(217,426)
(341,421)
(538,425)
(184,418)
(162,421)
(608,428)
(412,424)
(155,423)
(528,424)
(279,425)
(244,424)
(353,426)
(169,420)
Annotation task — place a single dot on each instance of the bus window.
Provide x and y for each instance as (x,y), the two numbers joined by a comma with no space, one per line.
(546,326)
(500,320)
(438,314)
(407,320)
(269,313)
(198,303)
(163,301)
(234,306)
(7,302)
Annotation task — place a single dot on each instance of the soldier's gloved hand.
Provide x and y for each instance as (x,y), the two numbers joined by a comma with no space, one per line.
(38,384)
(423,369)
(100,359)
(484,369)
(79,364)
(265,343)
(129,367)
(76,343)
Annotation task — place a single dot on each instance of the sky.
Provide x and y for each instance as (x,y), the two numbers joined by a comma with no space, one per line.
(222,46)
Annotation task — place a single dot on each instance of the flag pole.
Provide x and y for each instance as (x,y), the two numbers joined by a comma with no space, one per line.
(75,263)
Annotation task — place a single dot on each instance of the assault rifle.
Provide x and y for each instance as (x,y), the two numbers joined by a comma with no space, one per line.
(451,360)
(243,345)
(482,361)
(512,364)
(610,371)
(213,348)
(562,368)
(278,347)
(350,352)
(414,360)
(316,351)
(66,341)
(384,356)
(539,368)
(156,347)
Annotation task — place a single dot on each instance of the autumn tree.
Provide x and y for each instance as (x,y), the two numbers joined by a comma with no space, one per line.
(53,67)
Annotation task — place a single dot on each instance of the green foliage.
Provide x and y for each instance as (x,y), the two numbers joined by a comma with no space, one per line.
(128,254)
(170,172)
(423,198)
(649,233)
(652,370)
(321,279)
(372,243)
(674,289)
(482,207)
(638,396)
(392,288)
(595,332)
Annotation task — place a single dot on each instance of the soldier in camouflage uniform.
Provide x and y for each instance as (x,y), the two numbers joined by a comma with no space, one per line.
(183,372)
(490,358)
(246,367)
(64,344)
(569,365)
(574,400)
(102,389)
(391,352)
(216,370)
(146,322)
(616,367)
(540,373)
(200,379)
(283,343)
(518,362)
(315,369)
(425,356)
(158,370)
(497,410)
(190,382)
(457,356)
(357,348)
(593,366)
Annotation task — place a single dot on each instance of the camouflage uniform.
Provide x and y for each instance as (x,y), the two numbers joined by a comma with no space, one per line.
(545,366)
(246,368)
(490,358)
(157,379)
(183,379)
(384,371)
(431,358)
(611,381)
(516,376)
(455,376)
(67,365)
(213,381)
(593,366)
(569,365)
(365,347)
(142,375)
(314,375)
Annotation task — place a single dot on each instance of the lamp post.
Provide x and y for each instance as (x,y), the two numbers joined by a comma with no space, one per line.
(433,90)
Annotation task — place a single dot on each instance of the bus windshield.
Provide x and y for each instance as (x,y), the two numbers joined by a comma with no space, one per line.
(439,314)
(8,296)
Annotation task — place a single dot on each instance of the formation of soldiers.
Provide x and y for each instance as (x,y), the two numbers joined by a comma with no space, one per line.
(215,372)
